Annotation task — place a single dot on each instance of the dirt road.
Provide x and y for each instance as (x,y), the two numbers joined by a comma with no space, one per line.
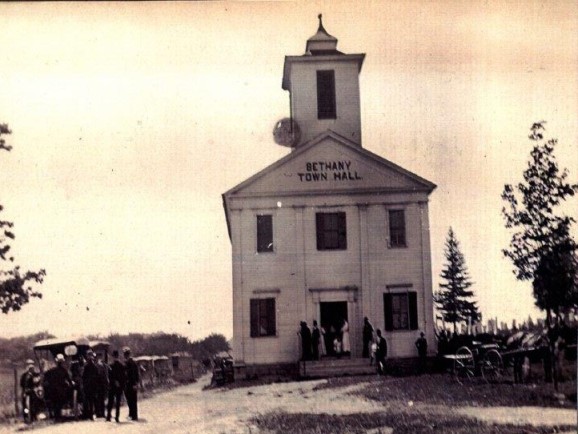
(189,409)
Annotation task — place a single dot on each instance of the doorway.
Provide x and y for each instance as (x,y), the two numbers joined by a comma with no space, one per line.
(331,316)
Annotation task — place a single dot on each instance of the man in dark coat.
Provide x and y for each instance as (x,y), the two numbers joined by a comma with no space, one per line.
(421,345)
(117,380)
(305,341)
(57,387)
(315,339)
(102,389)
(131,387)
(28,382)
(367,337)
(90,385)
(381,353)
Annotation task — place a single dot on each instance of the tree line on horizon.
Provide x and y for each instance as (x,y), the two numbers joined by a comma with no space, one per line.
(18,349)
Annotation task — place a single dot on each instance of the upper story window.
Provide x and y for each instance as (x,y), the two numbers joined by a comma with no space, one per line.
(326,107)
(400,311)
(262,317)
(331,231)
(264,233)
(397,228)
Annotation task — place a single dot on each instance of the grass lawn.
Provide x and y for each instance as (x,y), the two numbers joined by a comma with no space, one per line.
(423,404)
(442,389)
(398,420)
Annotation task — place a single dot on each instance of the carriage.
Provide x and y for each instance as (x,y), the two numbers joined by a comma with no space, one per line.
(223,371)
(492,359)
(75,352)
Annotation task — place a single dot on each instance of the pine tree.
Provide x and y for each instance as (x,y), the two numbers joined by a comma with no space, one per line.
(454,300)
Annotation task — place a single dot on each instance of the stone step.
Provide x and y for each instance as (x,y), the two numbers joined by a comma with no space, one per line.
(336,367)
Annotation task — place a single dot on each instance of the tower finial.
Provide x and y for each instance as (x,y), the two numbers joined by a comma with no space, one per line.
(320,16)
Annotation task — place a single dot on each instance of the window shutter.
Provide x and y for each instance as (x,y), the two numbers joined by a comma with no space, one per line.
(319,222)
(412,298)
(271,317)
(254,318)
(387,311)
(342,231)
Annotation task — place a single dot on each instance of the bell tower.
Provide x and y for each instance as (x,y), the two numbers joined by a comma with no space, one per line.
(323,87)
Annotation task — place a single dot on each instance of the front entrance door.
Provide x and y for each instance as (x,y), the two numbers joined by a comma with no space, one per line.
(332,314)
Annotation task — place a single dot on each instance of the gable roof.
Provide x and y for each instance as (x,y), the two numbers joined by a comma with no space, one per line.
(324,148)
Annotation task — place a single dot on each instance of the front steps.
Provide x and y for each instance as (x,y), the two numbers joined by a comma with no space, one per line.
(336,367)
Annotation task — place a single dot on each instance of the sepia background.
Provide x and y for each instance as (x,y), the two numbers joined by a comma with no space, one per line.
(130,120)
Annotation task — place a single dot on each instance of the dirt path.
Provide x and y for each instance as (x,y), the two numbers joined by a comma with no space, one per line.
(189,409)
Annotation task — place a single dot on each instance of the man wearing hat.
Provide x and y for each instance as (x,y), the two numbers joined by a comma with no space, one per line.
(132,381)
(117,380)
(28,381)
(90,384)
(57,386)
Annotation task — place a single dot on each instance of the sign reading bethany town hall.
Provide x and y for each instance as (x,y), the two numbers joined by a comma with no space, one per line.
(331,232)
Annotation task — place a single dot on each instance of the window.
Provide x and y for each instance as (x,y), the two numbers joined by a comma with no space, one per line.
(397,228)
(400,311)
(326,95)
(331,231)
(262,317)
(264,233)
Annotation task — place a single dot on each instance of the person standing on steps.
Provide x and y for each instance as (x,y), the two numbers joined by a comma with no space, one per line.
(381,353)
(345,341)
(305,342)
(367,337)
(315,339)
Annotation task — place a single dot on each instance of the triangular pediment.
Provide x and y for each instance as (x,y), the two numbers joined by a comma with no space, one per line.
(330,163)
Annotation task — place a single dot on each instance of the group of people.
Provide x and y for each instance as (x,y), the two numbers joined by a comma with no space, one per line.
(94,381)
(314,344)
(318,342)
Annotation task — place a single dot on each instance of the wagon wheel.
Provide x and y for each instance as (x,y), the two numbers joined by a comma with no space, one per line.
(492,366)
(463,365)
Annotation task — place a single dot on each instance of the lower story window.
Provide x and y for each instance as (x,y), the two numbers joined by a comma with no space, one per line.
(262,317)
(400,311)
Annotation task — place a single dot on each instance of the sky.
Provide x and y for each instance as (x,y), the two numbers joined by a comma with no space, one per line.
(130,120)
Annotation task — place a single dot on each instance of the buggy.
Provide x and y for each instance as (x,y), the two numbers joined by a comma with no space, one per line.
(223,369)
(74,350)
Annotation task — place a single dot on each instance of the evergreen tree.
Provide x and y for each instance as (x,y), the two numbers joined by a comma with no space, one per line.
(542,249)
(454,300)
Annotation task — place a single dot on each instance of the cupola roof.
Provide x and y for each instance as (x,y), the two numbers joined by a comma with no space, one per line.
(321,43)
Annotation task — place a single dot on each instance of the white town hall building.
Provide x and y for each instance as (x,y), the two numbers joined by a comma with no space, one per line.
(331,231)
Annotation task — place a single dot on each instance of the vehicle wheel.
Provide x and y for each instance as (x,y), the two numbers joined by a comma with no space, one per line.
(492,366)
(463,365)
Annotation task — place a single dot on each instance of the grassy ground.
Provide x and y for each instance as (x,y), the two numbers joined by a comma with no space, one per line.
(442,389)
(399,420)
(412,405)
